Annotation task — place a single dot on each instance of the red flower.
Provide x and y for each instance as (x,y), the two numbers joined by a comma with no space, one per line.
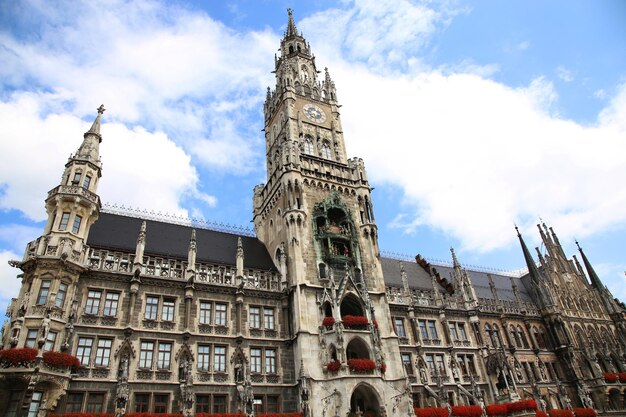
(521,406)
(497,409)
(354,321)
(560,413)
(361,365)
(609,377)
(622,376)
(18,357)
(585,412)
(467,411)
(328,321)
(431,412)
(333,366)
(60,360)
(540,413)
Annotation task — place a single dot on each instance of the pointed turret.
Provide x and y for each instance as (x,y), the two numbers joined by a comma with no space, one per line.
(593,277)
(191,253)
(239,259)
(139,248)
(90,148)
(543,295)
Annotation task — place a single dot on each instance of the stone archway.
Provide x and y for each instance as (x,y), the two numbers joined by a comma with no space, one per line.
(366,400)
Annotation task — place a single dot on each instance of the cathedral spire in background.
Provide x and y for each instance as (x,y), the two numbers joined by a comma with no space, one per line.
(291,25)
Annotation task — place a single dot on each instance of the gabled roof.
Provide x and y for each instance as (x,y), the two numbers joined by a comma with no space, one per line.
(114,231)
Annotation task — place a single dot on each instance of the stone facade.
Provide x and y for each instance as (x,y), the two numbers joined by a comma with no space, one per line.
(306,316)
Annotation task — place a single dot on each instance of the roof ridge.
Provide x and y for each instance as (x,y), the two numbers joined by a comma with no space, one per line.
(112,208)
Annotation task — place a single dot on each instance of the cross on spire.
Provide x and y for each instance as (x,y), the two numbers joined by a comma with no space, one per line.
(101,109)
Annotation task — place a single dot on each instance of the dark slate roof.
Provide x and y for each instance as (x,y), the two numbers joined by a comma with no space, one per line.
(113,231)
(419,279)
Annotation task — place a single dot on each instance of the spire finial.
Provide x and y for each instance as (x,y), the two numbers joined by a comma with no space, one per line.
(455,261)
(101,109)
(95,127)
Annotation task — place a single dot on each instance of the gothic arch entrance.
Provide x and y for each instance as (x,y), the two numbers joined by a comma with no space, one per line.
(365,399)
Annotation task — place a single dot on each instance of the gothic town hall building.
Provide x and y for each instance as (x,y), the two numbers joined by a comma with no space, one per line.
(304,316)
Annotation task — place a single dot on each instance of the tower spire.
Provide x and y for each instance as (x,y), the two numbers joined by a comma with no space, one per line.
(543,293)
(291,25)
(593,277)
(89,149)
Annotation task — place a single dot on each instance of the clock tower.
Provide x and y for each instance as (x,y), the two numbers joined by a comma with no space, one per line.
(315,217)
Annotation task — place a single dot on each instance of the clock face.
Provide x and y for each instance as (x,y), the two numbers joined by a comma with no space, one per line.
(314,113)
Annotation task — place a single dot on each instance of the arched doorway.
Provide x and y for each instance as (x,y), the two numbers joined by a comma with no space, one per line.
(365,399)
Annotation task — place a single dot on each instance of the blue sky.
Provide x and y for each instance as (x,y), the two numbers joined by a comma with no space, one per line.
(470,115)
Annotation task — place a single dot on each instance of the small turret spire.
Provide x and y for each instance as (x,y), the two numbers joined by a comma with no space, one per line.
(544,297)
(605,294)
(89,149)
(95,126)
(291,25)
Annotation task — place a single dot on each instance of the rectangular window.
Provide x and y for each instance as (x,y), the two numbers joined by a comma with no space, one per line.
(95,402)
(270,361)
(268,318)
(462,332)
(31,338)
(441,365)
(203,403)
(258,405)
(93,302)
(76,225)
(167,313)
(65,219)
(44,290)
(14,404)
(399,325)
(111,300)
(255,318)
(86,182)
(204,357)
(407,363)
(145,355)
(83,351)
(219,359)
(59,301)
(103,352)
(74,402)
(164,355)
(423,330)
(142,403)
(50,339)
(205,312)
(219,403)
(35,403)
(152,308)
(430,362)
(255,360)
(160,403)
(220,314)
(432,329)
(453,332)
(76,179)
(272,405)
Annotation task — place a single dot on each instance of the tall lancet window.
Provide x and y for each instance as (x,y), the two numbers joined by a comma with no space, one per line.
(308,146)
(326,151)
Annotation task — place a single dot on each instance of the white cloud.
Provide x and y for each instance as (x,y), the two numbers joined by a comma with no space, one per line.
(523,45)
(564,74)
(16,236)
(141,168)
(614,276)
(9,283)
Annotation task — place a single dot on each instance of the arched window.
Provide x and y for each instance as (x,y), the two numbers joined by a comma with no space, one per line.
(539,338)
(488,335)
(308,146)
(326,151)
(522,337)
(514,340)
(495,336)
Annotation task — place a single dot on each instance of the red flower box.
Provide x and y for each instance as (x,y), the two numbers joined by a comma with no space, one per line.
(585,412)
(467,411)
(276,415)
(540,413)
(60,360)
(328,321)
(497,410)
(354,321)
(560,413)
(82,415)
(521,406)
(361,365)
(431,412)
(609,377)
(205,415)
(18,357)
(333,366)
(622,376)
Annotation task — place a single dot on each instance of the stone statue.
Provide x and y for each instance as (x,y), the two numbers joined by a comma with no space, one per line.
(45,328)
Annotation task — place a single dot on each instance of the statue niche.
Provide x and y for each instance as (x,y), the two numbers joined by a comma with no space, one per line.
(335,232)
